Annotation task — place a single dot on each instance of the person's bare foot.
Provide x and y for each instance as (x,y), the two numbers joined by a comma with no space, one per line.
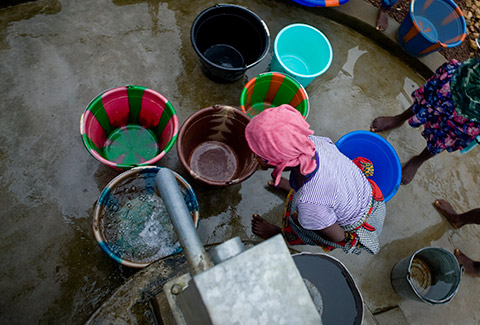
(262,228)
(448,212)
(384,123)
(410,169)
(283,185)
(382,19)
(470,266)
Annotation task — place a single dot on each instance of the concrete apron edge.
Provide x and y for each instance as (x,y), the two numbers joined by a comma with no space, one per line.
(361,16)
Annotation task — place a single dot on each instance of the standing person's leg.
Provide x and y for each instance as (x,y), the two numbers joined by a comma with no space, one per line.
(470,266)
(457,219)
(384,123)
(410,168)
(382,16)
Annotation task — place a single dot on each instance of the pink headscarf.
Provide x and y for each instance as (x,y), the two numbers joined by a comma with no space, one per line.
(279,135)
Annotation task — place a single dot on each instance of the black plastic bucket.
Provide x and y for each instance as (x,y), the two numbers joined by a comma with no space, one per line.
(229,40)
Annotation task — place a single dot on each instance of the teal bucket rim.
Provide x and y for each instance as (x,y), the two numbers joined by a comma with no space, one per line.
(309,76)
(121,166)
(454,6)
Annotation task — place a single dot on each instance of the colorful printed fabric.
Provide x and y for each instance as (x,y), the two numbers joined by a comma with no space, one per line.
(361,235)
(365,166)
(465,88)
(434,109)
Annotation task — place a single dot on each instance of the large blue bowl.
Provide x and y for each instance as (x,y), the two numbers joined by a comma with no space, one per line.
(386,164)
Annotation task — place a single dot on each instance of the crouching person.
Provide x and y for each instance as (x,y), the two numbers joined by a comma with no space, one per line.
(331,202)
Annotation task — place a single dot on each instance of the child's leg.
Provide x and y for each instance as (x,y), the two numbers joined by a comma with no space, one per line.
(384,123)
(470,266)
(411,167)
(382,16)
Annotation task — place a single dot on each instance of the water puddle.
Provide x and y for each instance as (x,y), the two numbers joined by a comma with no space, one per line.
(140,230)
(353,55)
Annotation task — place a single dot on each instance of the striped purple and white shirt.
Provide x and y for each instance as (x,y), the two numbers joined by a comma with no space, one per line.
(338,192)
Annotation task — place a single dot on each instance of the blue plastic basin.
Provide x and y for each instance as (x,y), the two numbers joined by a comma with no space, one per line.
(431,25)
(386,164)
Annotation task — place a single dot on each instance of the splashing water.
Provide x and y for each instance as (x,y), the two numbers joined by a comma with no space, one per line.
(141,230)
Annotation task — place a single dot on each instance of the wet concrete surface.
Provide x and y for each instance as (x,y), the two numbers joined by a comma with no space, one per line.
(56,56)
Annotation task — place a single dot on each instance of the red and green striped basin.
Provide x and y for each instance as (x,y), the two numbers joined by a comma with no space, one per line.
(129,126)
(273,89)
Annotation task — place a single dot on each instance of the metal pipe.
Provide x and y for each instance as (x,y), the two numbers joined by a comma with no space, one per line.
(195,253)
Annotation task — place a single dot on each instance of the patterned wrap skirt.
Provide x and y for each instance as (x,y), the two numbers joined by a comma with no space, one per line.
(359,236)
(433,107)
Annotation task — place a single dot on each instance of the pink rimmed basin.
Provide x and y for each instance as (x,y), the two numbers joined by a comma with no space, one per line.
(129,126)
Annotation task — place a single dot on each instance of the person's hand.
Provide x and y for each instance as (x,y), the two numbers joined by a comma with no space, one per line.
(262,164)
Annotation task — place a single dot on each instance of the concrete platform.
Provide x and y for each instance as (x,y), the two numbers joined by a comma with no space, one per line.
(57,55)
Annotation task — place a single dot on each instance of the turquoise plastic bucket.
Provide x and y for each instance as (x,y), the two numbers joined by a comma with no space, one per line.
(431,25)
(387,169)
(301,51)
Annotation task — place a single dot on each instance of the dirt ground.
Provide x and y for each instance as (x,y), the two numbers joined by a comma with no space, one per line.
(471,12)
